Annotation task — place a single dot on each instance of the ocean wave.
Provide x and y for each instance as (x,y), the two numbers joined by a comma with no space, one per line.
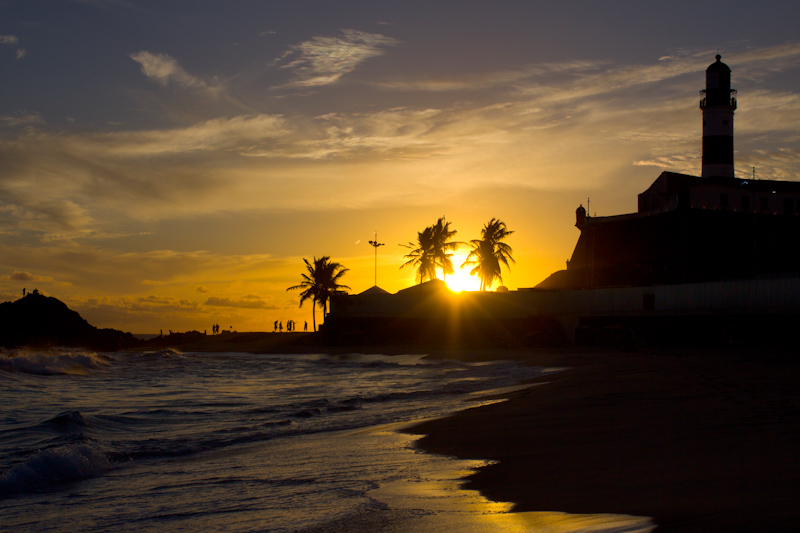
(360,360)
(55,466)
(54,362)
(168,353)
(67,422)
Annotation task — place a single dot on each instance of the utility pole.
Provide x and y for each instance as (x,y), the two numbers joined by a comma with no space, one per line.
(375,245)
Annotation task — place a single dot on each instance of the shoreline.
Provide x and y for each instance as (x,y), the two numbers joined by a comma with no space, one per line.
(696,442)
(698,439)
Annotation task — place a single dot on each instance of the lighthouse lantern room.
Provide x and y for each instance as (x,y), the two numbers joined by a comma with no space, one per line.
(718,102)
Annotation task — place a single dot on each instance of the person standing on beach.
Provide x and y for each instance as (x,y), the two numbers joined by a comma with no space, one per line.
(305,325)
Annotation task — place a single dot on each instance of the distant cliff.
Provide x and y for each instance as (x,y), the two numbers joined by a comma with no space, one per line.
(38,320)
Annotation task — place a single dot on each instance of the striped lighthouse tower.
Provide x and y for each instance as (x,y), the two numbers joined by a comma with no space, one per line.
(718,102)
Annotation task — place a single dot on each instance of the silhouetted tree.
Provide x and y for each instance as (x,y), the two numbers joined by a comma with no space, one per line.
(432,250)
(489,253)
(443,246)
(422,255)
(320,284)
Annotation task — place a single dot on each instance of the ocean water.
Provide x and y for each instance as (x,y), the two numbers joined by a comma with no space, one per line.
(170,441)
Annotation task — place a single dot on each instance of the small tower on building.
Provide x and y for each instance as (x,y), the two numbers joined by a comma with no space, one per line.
(718,102)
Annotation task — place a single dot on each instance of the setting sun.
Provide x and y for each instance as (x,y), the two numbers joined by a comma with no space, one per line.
(460,280)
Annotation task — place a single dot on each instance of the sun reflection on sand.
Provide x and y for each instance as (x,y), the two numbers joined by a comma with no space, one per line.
(434,499)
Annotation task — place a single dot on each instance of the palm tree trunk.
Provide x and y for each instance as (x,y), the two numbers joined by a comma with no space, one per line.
(314,314)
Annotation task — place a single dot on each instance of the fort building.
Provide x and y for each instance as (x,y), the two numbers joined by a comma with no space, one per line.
(711,256)
(691,229)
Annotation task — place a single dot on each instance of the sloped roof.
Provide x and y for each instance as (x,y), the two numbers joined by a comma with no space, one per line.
(434,285)
(374,290)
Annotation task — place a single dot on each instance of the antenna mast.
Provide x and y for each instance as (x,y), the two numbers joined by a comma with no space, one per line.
(375,245)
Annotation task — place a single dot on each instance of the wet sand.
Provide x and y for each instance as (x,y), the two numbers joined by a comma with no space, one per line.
(698,440)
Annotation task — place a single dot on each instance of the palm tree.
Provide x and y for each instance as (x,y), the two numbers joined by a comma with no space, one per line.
(431,251)
(442,245)
(488,253)
(320,284)
(422,255)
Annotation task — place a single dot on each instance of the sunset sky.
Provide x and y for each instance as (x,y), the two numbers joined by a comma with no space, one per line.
(169,164)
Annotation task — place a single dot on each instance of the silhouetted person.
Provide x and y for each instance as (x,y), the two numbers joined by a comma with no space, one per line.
(280,326)
(305,325)
(23,292)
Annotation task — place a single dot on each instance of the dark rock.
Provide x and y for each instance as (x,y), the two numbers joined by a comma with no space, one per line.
(38,320)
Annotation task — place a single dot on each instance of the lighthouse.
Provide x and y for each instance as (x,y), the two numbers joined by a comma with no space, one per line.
(718,102)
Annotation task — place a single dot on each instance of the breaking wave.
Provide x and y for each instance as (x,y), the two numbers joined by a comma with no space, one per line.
(54,362)
(58,465)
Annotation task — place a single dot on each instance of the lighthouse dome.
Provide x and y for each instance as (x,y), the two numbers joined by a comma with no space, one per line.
(718,83)
(718,66)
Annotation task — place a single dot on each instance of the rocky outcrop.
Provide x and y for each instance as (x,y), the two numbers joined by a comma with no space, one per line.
(38,320)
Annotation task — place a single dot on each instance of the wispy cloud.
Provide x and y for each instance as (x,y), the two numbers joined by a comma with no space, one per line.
(51,217)
(21,119)
(13,40)
(27,277)
(324,60)
(165,70)
(130,272)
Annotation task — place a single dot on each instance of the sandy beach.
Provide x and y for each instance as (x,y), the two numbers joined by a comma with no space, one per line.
(698,440)
(699,443)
